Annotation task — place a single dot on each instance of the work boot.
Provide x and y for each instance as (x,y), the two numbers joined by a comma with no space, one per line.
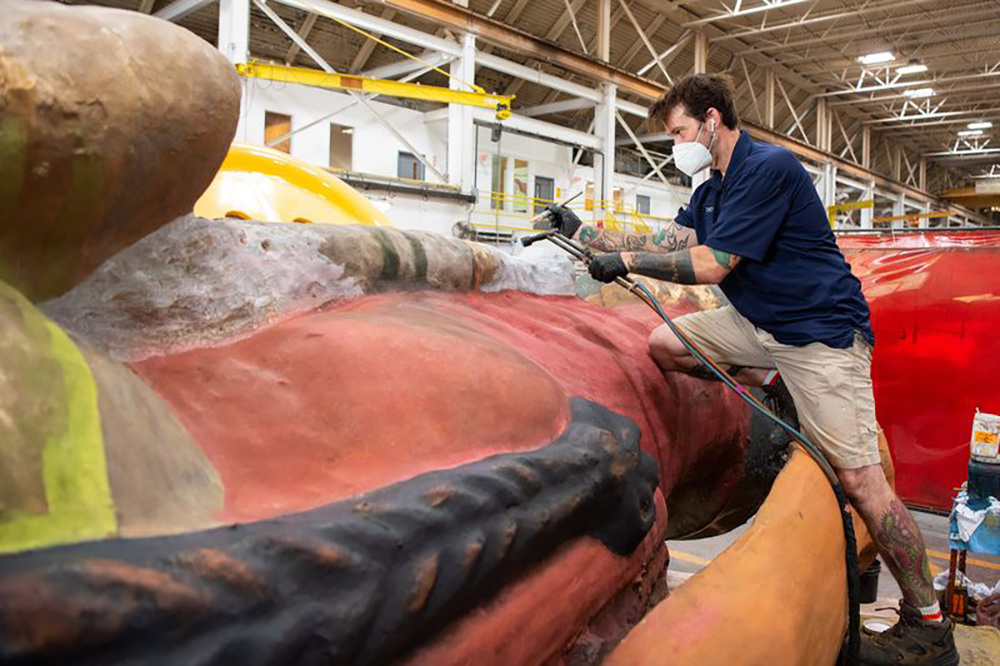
(913,641)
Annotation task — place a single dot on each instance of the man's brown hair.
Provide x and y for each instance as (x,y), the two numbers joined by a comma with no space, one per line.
(697,94)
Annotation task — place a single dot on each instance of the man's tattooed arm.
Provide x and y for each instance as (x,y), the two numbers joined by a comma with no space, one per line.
(697,265)
(670,238)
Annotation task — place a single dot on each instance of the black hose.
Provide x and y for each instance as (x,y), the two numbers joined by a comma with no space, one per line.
(850,656)
(851,653)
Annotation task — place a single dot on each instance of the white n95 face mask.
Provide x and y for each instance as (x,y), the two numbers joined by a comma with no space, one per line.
(693,156)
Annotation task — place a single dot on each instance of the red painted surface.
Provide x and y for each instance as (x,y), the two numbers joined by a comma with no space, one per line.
(935,301)
(383,388)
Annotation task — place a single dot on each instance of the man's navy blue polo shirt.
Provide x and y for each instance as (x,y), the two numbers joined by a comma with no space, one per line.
(792,280)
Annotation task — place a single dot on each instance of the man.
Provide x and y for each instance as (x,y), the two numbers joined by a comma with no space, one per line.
(757,228)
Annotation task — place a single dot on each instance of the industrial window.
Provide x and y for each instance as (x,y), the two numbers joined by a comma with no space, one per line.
(545,192)
(341,146)
(409,167)
(277,125)
(642,204)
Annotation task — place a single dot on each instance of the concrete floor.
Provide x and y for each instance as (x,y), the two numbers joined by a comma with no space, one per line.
(687,557)
(979,646)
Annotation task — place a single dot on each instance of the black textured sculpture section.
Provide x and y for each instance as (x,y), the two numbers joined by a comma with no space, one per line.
(357,582)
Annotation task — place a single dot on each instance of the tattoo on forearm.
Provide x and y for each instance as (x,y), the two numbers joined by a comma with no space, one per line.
(902,546)
(668,239)
(724,259)
(675,267)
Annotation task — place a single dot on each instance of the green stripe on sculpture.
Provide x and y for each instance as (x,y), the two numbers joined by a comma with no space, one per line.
(50,435)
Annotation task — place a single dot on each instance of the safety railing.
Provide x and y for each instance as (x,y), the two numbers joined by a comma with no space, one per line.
(513,212)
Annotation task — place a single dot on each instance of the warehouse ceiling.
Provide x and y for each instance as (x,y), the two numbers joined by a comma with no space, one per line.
(812,46)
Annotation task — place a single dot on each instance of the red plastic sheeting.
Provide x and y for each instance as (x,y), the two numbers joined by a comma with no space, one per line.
(935,301)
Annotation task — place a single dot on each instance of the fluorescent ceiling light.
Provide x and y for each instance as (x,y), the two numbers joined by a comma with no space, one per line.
(876,58)
(976,132)
(912,68)
(919,92)
(980,126)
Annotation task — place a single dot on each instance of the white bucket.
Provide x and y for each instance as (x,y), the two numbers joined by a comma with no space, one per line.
(985,441)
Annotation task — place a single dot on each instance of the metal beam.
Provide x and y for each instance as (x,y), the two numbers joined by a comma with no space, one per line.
(938,94)
(645,40)
(407,65)
(511,38)
(349,83)
(700,52)
(146,6)
(846,32)
(304,30)
(541,129)
(178,9)
(635,48)
(647,138)
(908,84)
(738,13)
(557,107)
(642,148)
(930,116)
(672,52)
(376,24)
(603,32)
(287,29)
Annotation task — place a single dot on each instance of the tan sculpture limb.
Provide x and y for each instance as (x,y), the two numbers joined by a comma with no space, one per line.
(783,579)
(98,151)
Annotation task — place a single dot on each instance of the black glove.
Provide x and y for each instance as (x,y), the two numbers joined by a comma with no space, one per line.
(563,220)
(607,267)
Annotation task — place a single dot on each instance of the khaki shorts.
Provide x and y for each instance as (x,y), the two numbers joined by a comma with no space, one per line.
(832,388)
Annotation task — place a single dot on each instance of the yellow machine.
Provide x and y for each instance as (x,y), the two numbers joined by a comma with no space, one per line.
(258,183)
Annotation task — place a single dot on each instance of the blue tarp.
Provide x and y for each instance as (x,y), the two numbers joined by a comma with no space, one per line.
(974,524)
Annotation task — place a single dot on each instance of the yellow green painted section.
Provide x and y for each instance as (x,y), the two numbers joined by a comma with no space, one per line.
(77,492)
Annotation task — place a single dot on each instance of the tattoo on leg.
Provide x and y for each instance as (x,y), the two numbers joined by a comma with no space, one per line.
(675,267)
(901,544)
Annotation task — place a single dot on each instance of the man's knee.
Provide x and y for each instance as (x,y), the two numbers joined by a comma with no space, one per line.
(865,486)
(666,349)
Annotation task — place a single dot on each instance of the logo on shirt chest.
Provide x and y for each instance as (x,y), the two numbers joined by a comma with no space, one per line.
(708,209)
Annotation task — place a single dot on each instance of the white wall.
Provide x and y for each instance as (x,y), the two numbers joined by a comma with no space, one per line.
(375,151)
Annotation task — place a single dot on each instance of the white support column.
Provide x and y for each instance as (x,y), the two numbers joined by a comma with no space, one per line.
(769,97)
(925,207)
(899,208)
(604,31)
(234,30)
(461,130)
(868,213)
(604,177)
(831,183)
(700,52)
(866,147)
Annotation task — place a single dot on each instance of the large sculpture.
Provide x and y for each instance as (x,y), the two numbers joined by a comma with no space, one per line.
(250,442)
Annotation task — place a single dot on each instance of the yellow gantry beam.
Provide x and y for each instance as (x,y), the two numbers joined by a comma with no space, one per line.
(844,207)
(360,84)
